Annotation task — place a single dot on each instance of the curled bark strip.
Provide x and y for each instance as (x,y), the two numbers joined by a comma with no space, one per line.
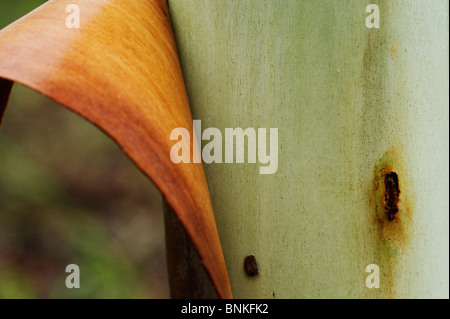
(120,70)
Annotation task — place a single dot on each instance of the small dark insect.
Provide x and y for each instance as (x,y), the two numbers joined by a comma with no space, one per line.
(250,266)
(391,195)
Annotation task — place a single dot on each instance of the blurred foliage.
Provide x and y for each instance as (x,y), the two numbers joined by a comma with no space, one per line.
(68,195)
(11,10)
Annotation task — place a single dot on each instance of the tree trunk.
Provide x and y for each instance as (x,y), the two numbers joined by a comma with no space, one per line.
(362,118)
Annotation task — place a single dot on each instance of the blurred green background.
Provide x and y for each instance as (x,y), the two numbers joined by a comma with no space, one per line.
(68,195)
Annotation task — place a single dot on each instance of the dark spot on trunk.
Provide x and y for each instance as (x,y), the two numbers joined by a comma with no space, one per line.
(250,266)
(391,195)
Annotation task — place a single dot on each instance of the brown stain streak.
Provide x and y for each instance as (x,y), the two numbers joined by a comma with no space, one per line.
(393,205)
(394,50)
(391,195)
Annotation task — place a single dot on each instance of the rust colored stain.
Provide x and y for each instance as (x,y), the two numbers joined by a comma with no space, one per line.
(250,266)
(394,50)
(392,206)
(393,203)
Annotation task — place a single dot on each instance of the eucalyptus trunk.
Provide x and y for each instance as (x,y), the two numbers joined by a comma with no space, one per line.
(362,118)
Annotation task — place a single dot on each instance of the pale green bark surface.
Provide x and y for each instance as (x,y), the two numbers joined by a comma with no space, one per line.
(346,99)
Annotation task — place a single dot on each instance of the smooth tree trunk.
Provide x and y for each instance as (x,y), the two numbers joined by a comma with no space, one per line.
(362,116)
